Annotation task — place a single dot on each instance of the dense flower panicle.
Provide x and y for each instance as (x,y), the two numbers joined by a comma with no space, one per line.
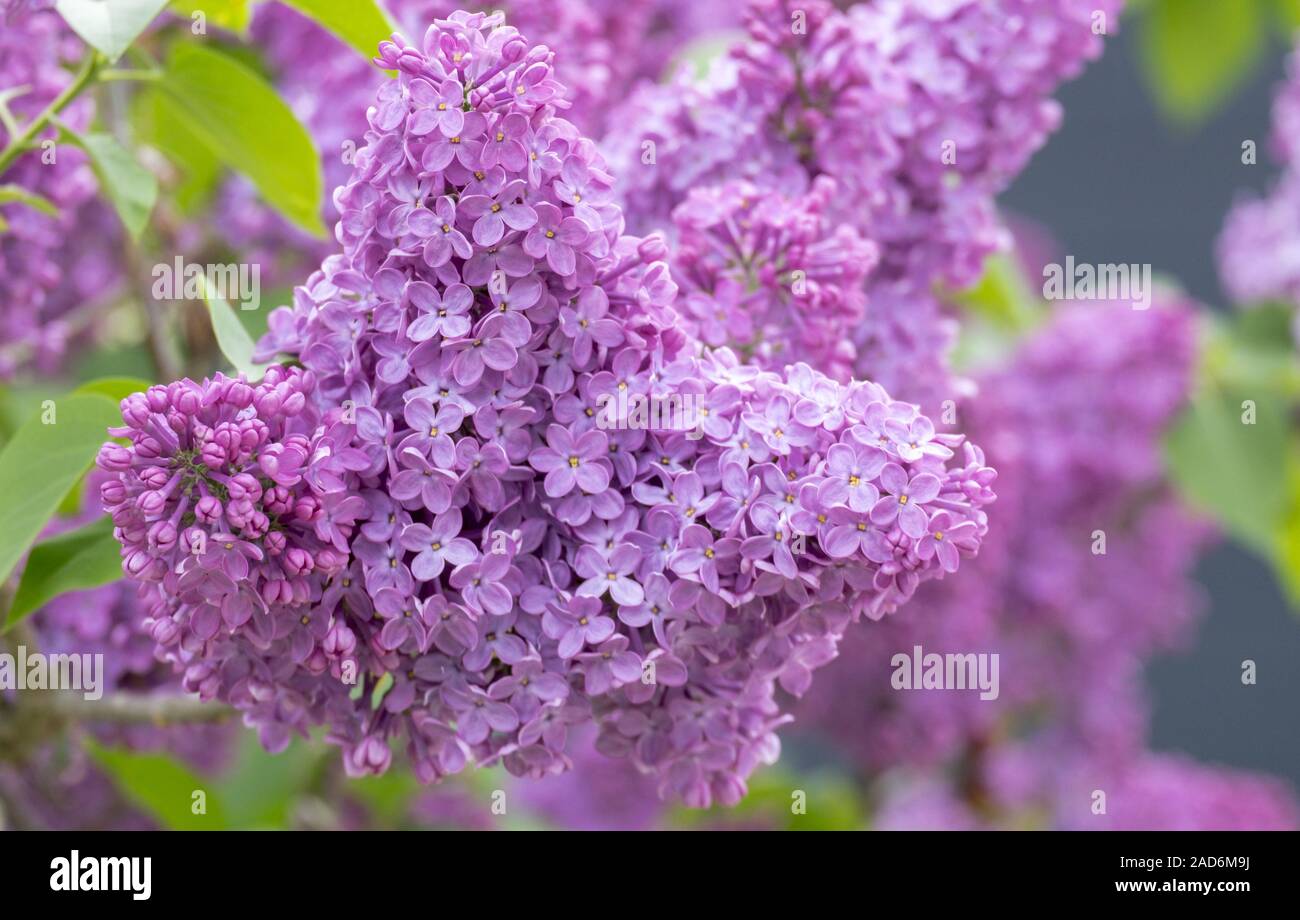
(558,507)
(211,501)
(771,276)
(920,112)
(45,280)
(1077,446)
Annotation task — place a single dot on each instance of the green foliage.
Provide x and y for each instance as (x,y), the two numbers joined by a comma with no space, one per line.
(115,388)
(362,24)
(1288,13)
(16,193)
(1002,296)
(1233,453)
(159,121)
(43,462)
(783,800)
(260,789)
(1287,555)
(1231,470)
(162,786)
(131,188)
(84,558)
(232,336)
(1196,52)
(109,25)
(228,14)
(241,121)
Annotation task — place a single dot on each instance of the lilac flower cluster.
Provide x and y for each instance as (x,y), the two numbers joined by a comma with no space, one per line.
(482,522)
(1259,246)
(214,500)
(920,112)
(601,44)
(1078,450)
(48,288)
(771,276)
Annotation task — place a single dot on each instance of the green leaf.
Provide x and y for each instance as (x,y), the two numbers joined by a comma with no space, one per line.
(160,122)
(43,462)
(129,186)
(228,14)
(1287,554)
(239,118)
(109,25)
(261,788)
(232,337)
(1235,471)
(163,786)
(1289,12)
(363,24)
(10,193)
(1196,52)
(84,558)
(115,388)
(1002,296)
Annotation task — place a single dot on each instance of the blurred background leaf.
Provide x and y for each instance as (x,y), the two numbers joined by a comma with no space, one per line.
(1197,52)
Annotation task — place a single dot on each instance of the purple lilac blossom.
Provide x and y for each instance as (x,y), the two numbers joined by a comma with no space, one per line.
(1071,627)
(55,270)
(603,47)
(920,112)
(601,590)
(1259,246)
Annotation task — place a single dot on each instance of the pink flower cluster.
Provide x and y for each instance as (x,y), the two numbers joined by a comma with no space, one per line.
(507,486)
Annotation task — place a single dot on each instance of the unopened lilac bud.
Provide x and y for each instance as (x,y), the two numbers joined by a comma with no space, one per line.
(244,486)
(187,402)
(239,395)
(208,510)
(371,756)
(165,631)
(297,561)
(213,455)
(275,543)
(294,405)
(268,403)
(135,410)
(112,492)
(137,563)
(151,504)
(340,641)
(114,458)
(256,525)
(163,535)
(158,398)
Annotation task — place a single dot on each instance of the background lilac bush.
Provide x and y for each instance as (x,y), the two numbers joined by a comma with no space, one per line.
(406,542)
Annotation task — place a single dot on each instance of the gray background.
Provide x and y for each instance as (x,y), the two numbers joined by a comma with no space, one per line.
(1119,184)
